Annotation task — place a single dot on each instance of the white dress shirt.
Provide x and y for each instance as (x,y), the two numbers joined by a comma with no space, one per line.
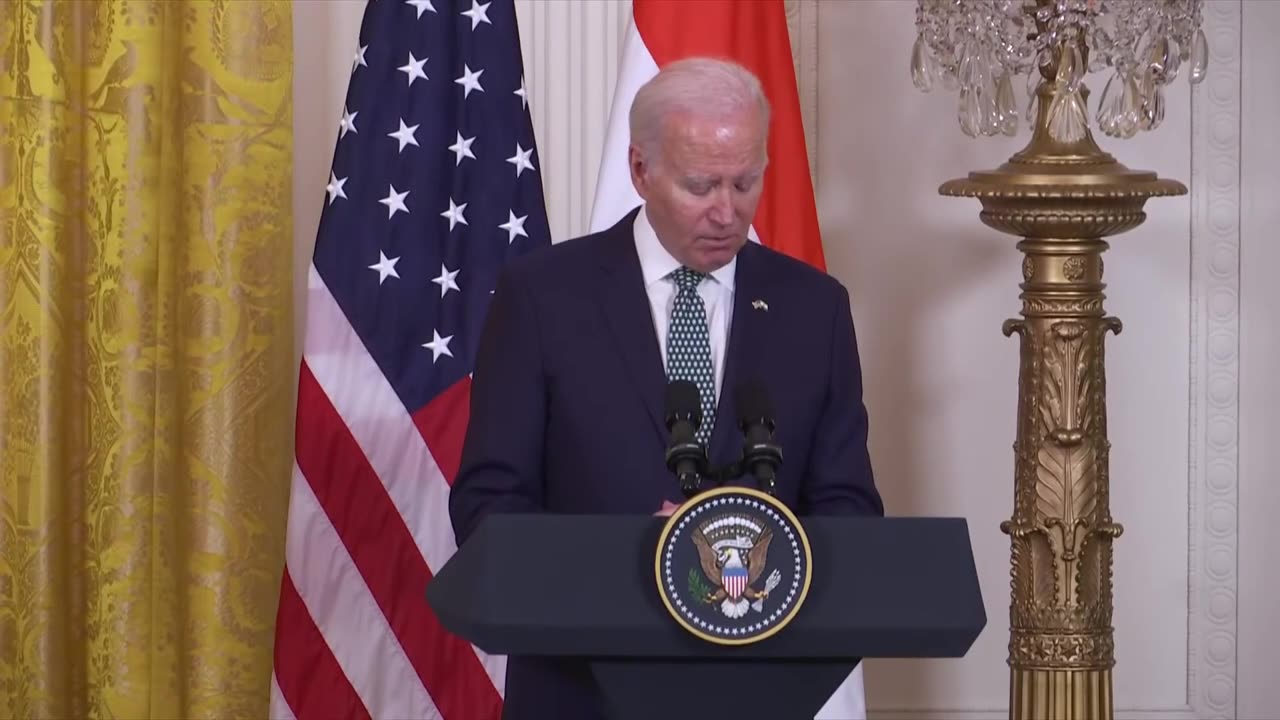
(716,291)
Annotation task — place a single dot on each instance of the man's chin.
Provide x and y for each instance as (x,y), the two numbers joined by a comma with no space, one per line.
(715,255)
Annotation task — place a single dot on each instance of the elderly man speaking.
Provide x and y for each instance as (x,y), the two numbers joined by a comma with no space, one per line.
(582,339)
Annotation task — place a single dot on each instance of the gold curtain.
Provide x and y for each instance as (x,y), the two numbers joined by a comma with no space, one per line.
(145,354)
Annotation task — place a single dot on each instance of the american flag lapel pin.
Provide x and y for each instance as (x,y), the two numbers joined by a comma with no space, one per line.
(760,305)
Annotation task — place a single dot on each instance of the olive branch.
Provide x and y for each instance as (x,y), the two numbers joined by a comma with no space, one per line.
(698,585)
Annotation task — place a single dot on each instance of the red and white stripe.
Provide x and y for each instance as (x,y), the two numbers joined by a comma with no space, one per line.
(734,584)
(368,528)
(753,34)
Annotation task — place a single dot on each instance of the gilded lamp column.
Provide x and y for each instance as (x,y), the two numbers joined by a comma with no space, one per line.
(1063,196)
(1062,200)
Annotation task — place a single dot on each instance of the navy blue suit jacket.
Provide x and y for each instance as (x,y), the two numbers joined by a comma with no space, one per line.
(567,406)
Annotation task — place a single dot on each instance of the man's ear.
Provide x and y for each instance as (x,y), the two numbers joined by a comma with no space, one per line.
(639,167)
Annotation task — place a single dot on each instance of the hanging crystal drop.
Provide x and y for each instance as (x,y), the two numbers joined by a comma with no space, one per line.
(1147,91)
(970,120)
(1155,110)
(1108,107)
(989,111)
(1199,57)
(1006,106)
(1158,58)
(968,59)
(921,74)
(1131,111)
(1174,64)
(1033,99)
(985,84)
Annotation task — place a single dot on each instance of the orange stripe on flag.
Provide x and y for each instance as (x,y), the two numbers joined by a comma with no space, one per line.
(753,34)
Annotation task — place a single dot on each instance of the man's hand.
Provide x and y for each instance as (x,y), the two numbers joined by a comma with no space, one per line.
(668,507)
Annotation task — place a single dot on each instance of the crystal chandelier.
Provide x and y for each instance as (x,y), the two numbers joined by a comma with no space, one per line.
(979,46)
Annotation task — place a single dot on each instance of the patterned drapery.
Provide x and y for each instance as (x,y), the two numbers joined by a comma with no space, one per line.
(146,360)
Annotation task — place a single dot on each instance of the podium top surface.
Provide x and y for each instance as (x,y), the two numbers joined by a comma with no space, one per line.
(584,585)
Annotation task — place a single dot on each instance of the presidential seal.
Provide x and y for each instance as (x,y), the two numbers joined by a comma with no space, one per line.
(733,565)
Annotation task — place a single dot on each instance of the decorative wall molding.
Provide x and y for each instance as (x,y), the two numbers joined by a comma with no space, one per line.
(1215,370)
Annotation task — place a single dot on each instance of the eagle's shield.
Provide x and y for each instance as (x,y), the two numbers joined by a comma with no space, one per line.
(734,580)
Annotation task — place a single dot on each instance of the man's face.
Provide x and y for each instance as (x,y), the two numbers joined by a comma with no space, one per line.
(702,190)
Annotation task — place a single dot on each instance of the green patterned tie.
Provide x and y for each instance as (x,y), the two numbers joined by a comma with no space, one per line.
(689,345)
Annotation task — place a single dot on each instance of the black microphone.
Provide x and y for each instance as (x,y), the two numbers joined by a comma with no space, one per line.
(760,454)
(685,457)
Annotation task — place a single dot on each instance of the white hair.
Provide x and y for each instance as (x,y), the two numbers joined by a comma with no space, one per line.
(700,86)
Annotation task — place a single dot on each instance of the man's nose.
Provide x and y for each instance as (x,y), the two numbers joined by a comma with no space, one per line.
(722,207)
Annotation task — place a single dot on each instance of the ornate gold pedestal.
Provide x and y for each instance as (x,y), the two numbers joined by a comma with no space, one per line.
(1062,199)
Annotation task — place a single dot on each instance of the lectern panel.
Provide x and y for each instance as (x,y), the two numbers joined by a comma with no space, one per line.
(584,586)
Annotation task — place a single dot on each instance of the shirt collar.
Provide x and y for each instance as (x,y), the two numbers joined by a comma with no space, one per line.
(656,262)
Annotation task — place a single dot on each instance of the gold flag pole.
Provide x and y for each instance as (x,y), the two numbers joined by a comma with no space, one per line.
(1062,195)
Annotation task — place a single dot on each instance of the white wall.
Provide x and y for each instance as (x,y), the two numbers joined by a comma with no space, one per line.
(1193,394)
(1259,612)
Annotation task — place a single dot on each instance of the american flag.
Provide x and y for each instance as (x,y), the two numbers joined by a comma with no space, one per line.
(435,185)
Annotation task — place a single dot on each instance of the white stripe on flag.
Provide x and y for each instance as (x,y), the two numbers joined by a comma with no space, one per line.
(346,614)
(384,430)
(279,709)
(615,196)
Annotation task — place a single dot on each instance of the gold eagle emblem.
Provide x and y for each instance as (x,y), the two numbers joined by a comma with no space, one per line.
(733,551)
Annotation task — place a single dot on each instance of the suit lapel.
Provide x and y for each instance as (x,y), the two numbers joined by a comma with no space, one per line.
(625,305)
(747,338)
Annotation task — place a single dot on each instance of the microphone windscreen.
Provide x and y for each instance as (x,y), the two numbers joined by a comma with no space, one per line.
(683,401)
(752,401)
